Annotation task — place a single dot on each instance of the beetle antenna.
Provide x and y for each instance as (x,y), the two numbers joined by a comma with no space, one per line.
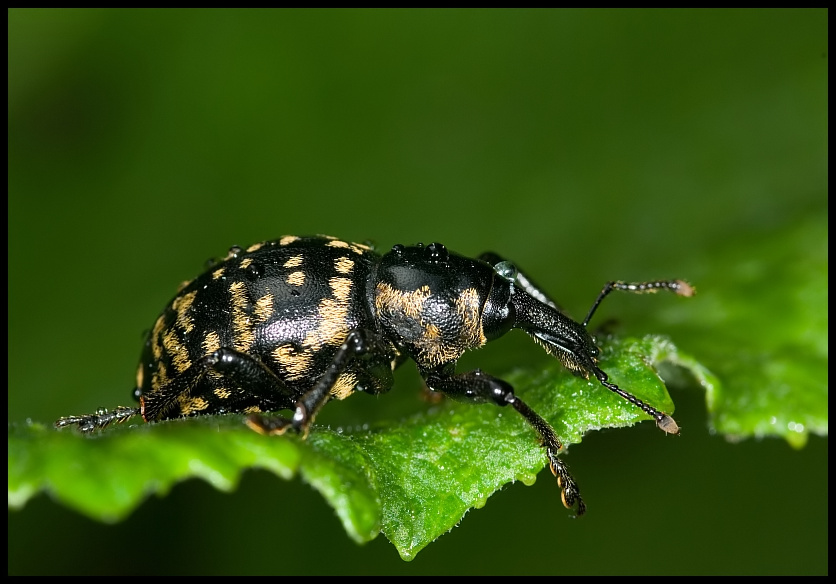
(680,287)
(663,420)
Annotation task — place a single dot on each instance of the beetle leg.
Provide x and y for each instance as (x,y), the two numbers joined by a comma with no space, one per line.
(102,418)
(359,344)
(479,387)
(263,388)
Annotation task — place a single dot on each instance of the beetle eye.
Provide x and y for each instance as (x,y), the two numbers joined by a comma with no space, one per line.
(507,271)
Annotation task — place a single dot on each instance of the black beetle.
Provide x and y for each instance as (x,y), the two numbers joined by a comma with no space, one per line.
(291,323)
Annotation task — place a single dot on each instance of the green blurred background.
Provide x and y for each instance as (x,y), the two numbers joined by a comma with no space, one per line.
(585,145)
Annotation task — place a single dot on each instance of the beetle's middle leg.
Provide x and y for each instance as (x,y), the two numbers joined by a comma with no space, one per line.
(359,345)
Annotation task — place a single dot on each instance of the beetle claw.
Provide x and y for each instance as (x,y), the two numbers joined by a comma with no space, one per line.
(569,492)
(268,425)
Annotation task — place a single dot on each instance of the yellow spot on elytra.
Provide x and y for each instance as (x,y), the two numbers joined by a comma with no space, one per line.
(156,337)
(244,336)
(264,308)
(288,239)
(222,392)
(177,350)
(296,278)
(181,306)
(341,288)
(245,263)
(344,386)
(211,343)
(357,248)
(189,405)
(160,377)
(218,273)
(333,325)
(294,262)
(295,363)
(140,375)
(255,247)
(343,265)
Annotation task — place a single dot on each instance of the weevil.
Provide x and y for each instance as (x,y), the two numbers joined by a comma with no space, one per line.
(292,323)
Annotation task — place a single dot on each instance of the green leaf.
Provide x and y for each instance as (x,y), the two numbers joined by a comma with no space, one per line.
(412,480)
(759,325)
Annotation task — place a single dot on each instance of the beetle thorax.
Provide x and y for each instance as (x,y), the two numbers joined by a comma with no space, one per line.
(435,327)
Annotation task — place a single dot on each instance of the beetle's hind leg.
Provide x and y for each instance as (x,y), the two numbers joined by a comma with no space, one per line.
(226,380)
(101,419)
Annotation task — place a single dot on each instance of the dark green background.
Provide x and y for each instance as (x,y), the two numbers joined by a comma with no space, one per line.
(586,145)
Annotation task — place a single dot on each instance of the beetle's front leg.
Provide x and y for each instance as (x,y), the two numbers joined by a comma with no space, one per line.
(479,387)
